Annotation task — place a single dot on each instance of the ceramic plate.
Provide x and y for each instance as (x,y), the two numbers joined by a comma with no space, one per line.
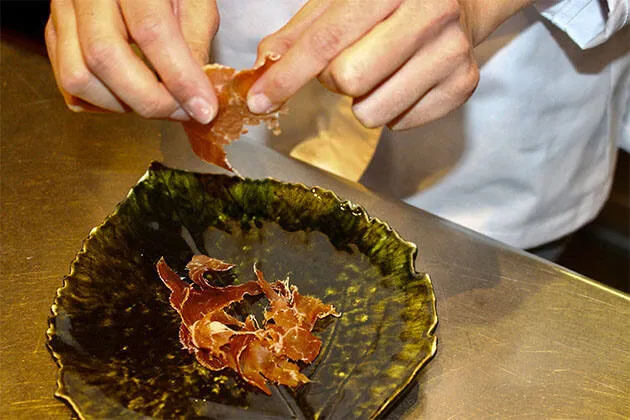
(115,336)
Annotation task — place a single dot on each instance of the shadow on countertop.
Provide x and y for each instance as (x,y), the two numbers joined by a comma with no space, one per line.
(25,21)
(601,249)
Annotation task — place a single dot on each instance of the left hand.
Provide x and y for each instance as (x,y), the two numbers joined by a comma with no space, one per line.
(405,62)
(89,44)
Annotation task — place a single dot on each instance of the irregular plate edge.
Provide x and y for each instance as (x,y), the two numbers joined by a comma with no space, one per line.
(61,391)
(388,403)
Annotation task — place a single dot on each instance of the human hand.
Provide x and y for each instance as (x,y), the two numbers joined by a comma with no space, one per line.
(405,62)
(96,68)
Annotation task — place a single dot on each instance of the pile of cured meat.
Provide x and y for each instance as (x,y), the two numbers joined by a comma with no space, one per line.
(220,340)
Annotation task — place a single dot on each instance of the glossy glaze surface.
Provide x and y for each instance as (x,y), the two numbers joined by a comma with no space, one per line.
(115,335)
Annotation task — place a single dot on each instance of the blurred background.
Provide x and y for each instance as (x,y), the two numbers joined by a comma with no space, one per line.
(600,250)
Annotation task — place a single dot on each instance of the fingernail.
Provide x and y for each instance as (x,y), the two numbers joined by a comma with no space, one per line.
(180,115)
(259,62)
(75,108)
(261,59)
(200,109)
(259,104)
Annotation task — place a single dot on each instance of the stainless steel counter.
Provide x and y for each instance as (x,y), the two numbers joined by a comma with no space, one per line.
(517,336)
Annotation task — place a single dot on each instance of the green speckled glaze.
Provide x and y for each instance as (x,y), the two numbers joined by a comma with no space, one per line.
(115,336)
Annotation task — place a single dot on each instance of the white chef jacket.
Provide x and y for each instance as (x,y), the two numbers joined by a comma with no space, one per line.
(528,159)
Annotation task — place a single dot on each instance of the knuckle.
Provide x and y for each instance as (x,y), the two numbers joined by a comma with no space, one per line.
(455,47)
(470,81)
(448,14)
(457,56)
(49,31)
(99,53)
(274,44)
(74,81)
(326,42)
(463,86)
(451,11)
(347,79)
(444,19)
(215,20)
(263,46)
(460,46)
(149,29)
(267,41)
(475,76)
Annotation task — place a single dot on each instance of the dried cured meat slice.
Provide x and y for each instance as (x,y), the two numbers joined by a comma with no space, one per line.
(201,264)
(257,362)
(231,87)
(194,303)
(292,324)
(310,309)
(296,343)
(219,340)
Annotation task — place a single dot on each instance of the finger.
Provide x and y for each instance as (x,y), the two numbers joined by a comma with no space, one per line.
(448,52)
(338,27)
(50,36)
(364,65)
(199,21)
(108,55)
(154,27)
(440,101)
(74,103)
(82,91)
(276,44)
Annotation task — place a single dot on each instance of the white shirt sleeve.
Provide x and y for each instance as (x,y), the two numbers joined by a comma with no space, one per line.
(588,22)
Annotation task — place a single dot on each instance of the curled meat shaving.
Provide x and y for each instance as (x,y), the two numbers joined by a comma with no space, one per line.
(231,86)
(220,340)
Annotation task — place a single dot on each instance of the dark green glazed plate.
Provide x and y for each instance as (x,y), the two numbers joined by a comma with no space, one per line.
(115,336)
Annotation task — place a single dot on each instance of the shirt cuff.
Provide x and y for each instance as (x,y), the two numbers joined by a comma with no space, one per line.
(588,22)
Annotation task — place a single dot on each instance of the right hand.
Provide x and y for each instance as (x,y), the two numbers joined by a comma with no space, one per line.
(404,62)
(96,68)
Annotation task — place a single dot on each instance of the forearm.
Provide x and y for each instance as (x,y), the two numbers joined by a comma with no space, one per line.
(482,17)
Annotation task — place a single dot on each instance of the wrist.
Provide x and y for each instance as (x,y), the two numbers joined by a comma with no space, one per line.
(482,17)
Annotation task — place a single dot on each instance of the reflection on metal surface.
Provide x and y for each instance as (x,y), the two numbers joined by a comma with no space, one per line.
(518,336)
